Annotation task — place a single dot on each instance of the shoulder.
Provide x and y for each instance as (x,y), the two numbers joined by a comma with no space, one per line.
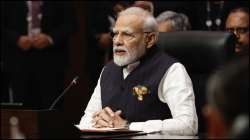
(164,59)
(110,65)
(178,72)
(111,68)
(177,67)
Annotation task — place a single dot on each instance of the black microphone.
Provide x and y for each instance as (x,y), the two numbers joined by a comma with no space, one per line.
(73,82)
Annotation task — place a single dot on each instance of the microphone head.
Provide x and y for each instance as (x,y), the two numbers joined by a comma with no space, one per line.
(74,81)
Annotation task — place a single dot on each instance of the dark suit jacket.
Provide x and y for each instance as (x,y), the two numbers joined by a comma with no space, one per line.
(57,21)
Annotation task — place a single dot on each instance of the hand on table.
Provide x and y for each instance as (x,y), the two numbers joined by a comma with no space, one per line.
(108,118)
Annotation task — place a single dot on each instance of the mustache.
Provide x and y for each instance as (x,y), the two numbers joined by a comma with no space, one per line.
(120,48)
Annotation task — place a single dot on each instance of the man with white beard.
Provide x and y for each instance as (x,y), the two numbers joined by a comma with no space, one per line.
(143,88)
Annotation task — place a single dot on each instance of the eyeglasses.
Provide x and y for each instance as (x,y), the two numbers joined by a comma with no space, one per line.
(239,30)
(125,35)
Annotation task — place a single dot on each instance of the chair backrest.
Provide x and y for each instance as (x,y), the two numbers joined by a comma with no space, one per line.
(201,52)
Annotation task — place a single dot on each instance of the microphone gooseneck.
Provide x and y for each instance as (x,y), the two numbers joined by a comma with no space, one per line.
(73,82)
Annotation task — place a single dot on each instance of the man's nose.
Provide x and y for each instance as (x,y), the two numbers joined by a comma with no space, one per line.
(118,40)
(236,34)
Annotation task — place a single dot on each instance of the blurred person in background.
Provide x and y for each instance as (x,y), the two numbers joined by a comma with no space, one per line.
(227,110)
(238,23)
(170,21)
(35,37)
(144,4)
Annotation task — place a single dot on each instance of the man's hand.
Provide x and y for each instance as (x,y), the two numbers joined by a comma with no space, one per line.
(107,118)
(41,41)
(118,121)
(24,42)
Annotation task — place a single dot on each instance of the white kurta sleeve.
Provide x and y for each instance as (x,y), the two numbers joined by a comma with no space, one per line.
(176,90)
(93,106)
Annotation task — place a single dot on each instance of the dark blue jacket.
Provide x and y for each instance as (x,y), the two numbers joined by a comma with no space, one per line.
(117,92)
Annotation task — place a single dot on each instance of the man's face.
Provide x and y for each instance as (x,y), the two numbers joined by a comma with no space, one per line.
(128,40)
(238,23)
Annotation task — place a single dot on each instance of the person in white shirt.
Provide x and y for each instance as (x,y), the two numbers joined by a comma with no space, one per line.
(142,88)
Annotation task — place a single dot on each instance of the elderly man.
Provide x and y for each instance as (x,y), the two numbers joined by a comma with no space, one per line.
(170,21)
(143,88)
(238,23)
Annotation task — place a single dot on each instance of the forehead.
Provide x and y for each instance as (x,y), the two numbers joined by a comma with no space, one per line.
(238,19)
(129,23)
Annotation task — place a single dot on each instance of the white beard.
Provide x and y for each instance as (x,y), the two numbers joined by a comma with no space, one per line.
(132,55)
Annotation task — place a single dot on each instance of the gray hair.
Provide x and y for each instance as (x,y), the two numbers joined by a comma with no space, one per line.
(149,22)
(180,22)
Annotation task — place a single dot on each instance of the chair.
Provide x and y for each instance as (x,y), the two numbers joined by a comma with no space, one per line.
(201,52)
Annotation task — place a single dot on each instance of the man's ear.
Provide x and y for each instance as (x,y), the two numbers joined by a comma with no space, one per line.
(150,40)
(216,126)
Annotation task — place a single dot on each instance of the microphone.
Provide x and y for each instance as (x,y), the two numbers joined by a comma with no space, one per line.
(73,82)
